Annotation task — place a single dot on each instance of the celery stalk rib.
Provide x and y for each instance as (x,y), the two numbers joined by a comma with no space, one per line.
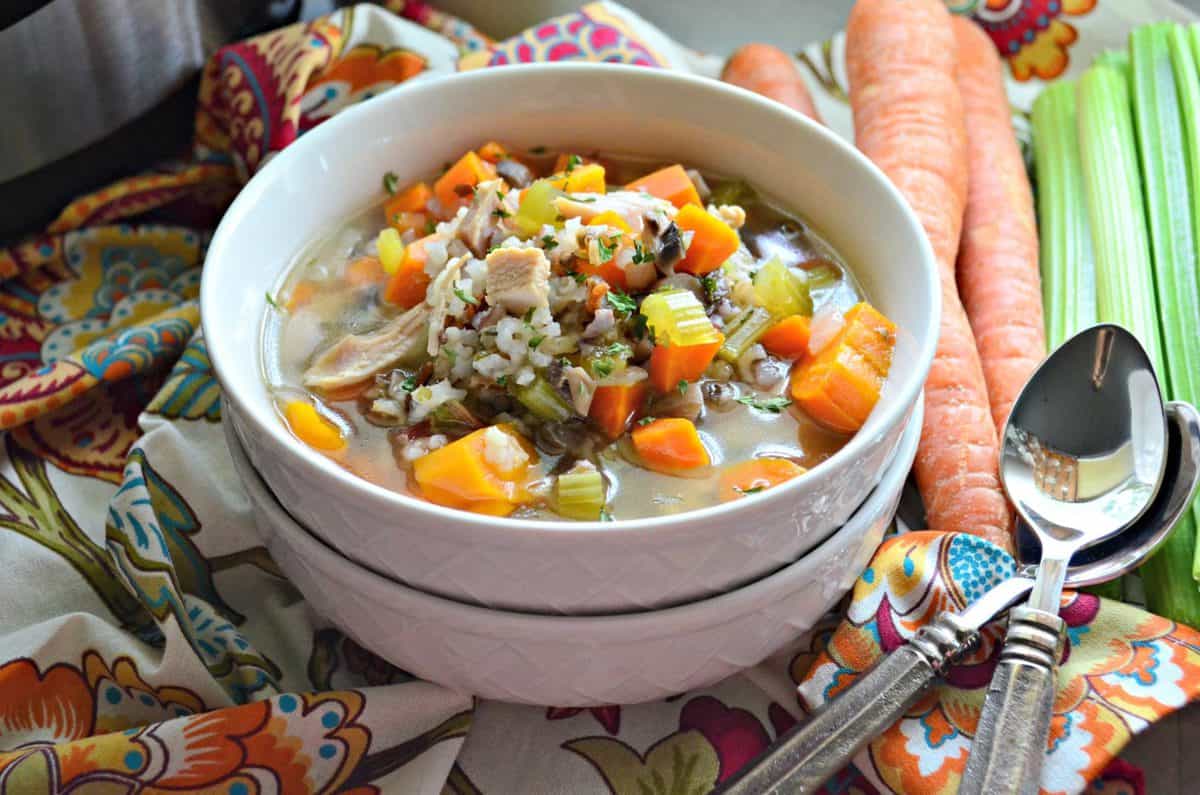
(1158,115)
(1068,265)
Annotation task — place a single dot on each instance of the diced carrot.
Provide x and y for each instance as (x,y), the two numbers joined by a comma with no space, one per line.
(611,218)
(484,472)
(597,290)
(563,161)
(402,222)
(671,183)
(493,152)
(713,240)
(613,406)
(412,199)
(750,477)
(301,294)
(670,364)
(588,178)
(363,271)
(407,286)
(311,428)
(788,339)
(452,189)
(609,271)
(670,444)
(840,385)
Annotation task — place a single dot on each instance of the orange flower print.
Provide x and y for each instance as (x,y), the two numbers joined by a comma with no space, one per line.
(38,707)
(922,753)
(1032,34)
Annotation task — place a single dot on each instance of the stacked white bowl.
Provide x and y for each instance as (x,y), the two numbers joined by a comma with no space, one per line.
(569,613)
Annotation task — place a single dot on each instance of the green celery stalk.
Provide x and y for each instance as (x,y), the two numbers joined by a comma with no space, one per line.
(1158,110)
(1068,264)
(1112,185)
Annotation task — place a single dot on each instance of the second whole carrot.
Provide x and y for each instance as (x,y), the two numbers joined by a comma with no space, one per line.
(771,72)
(998,276)
(901,59)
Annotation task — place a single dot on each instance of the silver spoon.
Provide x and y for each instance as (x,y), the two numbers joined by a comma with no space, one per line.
(815,750)
(1082,457)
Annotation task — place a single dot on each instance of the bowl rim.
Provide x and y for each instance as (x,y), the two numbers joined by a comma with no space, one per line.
(681,618)
(908,387)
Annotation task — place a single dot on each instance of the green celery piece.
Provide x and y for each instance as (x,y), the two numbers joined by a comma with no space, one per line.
(1158,109)
(1068,263)
(745,330)
(580,495)
(1112,184)
(543,401)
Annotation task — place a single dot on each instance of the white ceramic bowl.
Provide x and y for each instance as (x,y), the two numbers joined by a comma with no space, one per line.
(577,660)
(569,567)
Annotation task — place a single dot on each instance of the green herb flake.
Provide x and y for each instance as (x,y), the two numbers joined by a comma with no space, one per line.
(430,226)
(528,315)
(272,302)
(390,183)
(617,349)
(773,405)
(549,242)
(603,367)
(640,255)
(502,380)
(751,490)
(605,516)
(536,341)
(621,302)
(573,162)
(682,386)
(605,249)
(500,212)
(409,384)
(646,420)
(465,297)
(639,327)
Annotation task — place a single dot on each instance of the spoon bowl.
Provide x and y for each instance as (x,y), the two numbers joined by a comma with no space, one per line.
(1084,449)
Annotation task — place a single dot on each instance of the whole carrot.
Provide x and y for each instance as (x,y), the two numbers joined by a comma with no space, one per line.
(998,276)
(771,72)
(901,61)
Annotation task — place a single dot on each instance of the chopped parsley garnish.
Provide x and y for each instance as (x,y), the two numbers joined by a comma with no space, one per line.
(493,248)
(639,326)
(465,297)
(500,212)
(603,367)
(430,226)
(640,255)
(502,380)
(709,283)
(682,386)
(528,315)
(390,183)
(536,341)
(573,162)
(579,278)
(621,302)
(537,150)
(646,420)
(583,199)
(549,242)
(605,249)
(605,516)
(773,405)
(409,384)
(617,349)
(271,301)
(751,490)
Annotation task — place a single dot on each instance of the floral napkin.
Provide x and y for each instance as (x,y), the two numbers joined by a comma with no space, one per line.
(149,644)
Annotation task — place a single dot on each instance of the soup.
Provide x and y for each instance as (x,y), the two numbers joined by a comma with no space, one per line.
(547,335)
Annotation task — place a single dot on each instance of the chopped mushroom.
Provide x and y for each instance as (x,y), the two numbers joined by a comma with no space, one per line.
(357,357)
(515,173)
(636,209)
(518,279)
(668,248)
(477,225)
(583,389)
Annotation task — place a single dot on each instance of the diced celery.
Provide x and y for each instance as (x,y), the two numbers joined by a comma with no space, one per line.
(1068,264)
(823,275)
(391,250)
(733,191)
(780,291)
(580,494)
(678,317)
(744,331)
(536,208)
(543,401)
(607,361)
(1112,184)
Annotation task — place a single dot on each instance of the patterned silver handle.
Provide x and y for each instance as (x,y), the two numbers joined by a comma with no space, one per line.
(813,752)
(1010,744)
